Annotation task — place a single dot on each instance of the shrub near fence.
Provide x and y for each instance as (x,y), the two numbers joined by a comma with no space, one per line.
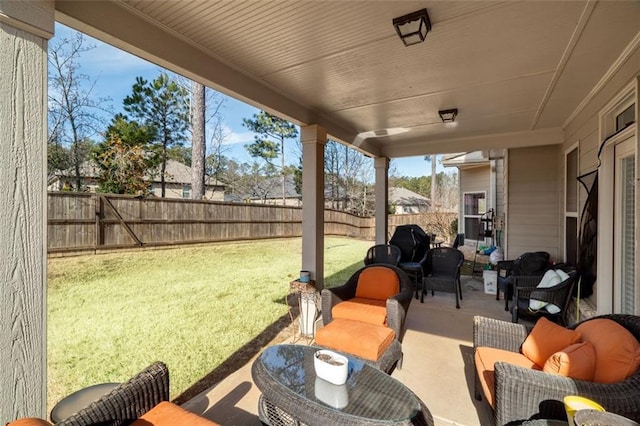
(80,222)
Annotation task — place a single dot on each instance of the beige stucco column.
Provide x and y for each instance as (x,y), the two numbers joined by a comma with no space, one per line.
(313,139)
(381,165)
(25,28)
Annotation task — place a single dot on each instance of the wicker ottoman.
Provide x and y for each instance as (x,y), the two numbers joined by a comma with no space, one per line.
(374,344)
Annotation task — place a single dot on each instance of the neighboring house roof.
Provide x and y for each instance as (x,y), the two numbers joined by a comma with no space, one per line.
(175,172)
(404,197)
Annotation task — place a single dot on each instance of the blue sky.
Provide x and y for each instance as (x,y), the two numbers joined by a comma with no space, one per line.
(114,72)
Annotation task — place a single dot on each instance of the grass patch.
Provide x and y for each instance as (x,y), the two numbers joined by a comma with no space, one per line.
(111,315)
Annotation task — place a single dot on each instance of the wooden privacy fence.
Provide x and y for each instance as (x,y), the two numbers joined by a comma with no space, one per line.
(80,222)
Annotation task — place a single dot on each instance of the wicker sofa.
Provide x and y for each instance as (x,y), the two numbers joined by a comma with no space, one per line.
(141,401)
(524,393)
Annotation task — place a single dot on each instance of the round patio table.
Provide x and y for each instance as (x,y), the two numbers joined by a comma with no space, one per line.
(292,394)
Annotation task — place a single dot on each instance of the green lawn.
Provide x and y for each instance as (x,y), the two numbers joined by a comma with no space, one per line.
(111,315)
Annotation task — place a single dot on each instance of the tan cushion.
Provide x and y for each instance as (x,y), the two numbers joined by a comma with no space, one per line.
(577,361)
(29,421)
(358,338)
(547,338)
(486,358)
(169,414)
(366,310)
(617,351)
(378,282)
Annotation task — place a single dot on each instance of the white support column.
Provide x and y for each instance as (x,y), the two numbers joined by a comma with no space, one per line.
(25,28)
(381,165)
(313,139)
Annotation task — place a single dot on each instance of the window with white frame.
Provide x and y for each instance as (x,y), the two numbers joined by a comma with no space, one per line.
(571,207)
(617,254)
(475,205)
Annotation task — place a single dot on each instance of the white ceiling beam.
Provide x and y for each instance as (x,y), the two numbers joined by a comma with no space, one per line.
(420,146)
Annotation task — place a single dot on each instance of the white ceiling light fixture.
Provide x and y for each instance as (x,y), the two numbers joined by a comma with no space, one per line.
(383,132)
(413,28)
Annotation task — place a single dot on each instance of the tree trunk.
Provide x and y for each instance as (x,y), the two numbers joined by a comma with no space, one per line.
(198,141)
(284,177)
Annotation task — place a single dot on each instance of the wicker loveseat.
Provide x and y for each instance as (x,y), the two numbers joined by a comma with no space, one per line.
(522,393)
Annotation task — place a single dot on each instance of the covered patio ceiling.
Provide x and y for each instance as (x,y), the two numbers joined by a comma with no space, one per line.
(516,71)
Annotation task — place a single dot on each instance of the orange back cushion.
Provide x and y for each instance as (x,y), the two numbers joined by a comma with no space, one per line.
(577,361)
(378,282)
(547,338)
(617,351)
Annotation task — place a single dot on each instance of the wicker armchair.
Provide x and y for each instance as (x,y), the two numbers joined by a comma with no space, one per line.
(127,401)
(533,264)
(383,253)
(524,289)
(397,306)
(522,393)
(121,406)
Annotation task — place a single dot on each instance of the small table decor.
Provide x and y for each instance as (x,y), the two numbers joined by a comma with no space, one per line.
(331,366)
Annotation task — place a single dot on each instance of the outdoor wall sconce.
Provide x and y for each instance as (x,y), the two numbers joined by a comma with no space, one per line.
(448,115)
(413,28)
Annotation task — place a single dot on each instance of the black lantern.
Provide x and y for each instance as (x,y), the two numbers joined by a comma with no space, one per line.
(413,28)
(448,115)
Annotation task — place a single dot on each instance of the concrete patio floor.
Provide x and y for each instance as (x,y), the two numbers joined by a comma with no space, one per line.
(437,366)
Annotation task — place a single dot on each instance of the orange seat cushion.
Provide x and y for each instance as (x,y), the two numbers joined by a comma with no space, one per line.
(372,311)
(577,361)
(358,338)
(547,338)
(617,351)
(378,282)
(29,421)
(169,414)
(485,360)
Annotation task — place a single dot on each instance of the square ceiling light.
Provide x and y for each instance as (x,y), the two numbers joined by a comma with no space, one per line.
(413,28)
(448,115)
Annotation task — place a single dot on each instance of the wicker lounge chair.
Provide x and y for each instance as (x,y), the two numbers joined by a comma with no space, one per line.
(397,306)
(523,393)
(392,316)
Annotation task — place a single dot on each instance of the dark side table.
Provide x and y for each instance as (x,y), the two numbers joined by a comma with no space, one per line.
(73,403)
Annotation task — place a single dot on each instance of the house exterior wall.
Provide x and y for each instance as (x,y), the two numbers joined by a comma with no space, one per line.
(176,190)
(534,201)
(24,30)
(584,129)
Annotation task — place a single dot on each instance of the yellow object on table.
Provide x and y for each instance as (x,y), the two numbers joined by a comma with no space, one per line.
(573,403)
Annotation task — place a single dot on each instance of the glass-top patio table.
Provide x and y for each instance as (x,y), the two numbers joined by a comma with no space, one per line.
(292,394)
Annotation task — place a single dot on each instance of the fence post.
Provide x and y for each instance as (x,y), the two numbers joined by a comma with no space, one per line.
(99,231)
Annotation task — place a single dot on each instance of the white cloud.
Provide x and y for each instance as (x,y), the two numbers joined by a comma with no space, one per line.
(233,137)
